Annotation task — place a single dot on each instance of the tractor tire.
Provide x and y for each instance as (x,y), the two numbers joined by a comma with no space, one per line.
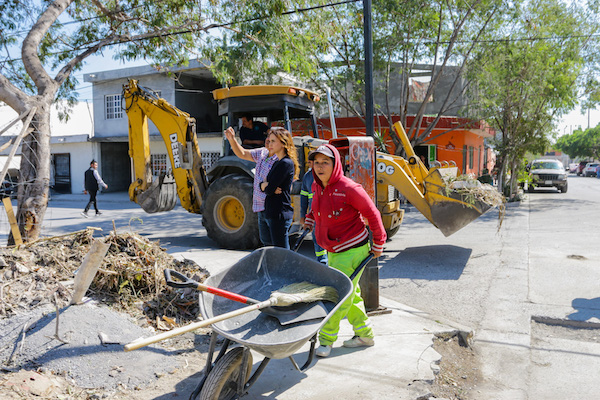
(222,381)
(227,213)
(392,232)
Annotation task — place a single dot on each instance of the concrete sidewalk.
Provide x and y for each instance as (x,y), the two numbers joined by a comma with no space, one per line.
(400,366)
(107,197)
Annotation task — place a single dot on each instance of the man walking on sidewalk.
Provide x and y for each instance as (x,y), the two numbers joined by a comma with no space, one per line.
(92,182)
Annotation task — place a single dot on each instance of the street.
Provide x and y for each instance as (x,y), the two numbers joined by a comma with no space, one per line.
(527,286)
(542,265)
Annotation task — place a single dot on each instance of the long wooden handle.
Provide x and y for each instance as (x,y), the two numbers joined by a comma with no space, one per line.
(136,344)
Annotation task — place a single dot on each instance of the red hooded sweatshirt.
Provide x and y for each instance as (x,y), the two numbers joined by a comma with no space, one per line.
(336,212)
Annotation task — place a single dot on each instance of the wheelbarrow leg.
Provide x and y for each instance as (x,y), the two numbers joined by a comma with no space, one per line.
(257,373)
(241,384)
(311,356)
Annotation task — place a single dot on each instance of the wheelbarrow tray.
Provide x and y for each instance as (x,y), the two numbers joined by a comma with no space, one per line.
(258,275)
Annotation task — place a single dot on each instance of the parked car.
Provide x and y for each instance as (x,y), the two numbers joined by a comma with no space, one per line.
(548,173)
(590,169)
(573,168)
(581,166)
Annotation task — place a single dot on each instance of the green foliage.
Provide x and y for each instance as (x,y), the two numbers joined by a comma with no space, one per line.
(523,175)
(531,78)
(581,144)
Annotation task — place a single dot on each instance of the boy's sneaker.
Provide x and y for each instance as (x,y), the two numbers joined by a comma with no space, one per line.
(323,351)
(84,214)
(358,341)
(98,213)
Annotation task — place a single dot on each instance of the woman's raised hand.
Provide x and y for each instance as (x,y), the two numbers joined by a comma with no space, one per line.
(229,133)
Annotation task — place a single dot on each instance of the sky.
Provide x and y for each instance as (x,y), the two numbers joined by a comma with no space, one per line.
(97,63)
(575,120)
(82,121)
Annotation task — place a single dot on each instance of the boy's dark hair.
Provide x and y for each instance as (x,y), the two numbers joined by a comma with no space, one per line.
(93,161)
(247,116)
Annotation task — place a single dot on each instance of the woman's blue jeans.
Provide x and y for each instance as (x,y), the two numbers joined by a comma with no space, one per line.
(278,229)
(264,232)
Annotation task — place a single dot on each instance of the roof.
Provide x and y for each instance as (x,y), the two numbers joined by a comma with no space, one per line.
(194,68)
(263,90)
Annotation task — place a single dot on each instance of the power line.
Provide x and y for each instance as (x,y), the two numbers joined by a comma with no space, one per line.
(302,10)
(77,21)
(533,39)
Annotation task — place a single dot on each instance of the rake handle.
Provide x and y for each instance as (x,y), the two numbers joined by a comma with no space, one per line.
(186,282)
(136,344)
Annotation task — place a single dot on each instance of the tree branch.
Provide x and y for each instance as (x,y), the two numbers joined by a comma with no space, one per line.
(31,43)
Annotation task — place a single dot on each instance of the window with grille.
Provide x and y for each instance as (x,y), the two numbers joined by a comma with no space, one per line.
(112,106)
(208,159)
(159,164)
(471,156)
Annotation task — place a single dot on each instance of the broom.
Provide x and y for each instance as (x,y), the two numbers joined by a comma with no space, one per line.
(303,292)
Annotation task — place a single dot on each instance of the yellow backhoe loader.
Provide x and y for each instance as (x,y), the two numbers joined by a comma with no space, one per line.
(223,195)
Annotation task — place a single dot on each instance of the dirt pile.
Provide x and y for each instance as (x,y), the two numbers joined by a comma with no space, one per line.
(130,278)
(81,347)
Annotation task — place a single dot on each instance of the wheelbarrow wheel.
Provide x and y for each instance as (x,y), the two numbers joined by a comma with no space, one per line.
(222,381)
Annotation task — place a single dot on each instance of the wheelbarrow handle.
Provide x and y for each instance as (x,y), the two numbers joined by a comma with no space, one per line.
(361,266)
(136,344)
(300,240)
(185,282)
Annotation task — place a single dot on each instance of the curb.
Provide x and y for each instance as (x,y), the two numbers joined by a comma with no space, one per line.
(568,323)
(464,333)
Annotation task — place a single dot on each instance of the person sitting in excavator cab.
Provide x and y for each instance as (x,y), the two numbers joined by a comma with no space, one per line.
(253,133)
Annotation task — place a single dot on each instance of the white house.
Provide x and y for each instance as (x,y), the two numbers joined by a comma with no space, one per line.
(69,143)
(189,89)
(99,131)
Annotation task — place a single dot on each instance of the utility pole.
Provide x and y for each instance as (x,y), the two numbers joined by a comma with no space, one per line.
(369,281)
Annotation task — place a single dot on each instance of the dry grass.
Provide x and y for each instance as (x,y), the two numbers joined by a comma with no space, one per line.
(130,278)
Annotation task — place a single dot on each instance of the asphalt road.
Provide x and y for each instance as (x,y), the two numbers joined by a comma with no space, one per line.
(529,290)
(526,285)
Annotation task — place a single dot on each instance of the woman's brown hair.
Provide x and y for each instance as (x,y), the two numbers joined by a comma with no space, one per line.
(285,137)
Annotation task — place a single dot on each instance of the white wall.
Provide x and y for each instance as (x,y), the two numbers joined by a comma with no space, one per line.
(81,154)
(80,121)
(119,127)
(212,144)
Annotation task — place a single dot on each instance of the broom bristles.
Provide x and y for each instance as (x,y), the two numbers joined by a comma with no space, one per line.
(304,292)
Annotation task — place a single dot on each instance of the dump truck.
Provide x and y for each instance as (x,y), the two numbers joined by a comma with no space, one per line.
(223,194)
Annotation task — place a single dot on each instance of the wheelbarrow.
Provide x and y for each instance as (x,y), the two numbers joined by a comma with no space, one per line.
(229,375)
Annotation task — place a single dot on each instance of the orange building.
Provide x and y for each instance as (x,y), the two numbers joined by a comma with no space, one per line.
(454,139)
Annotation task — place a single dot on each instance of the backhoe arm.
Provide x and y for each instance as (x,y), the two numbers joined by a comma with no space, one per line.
(427,189)
(178,131)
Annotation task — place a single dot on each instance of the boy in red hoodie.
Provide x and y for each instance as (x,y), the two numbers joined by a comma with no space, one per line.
(338,208)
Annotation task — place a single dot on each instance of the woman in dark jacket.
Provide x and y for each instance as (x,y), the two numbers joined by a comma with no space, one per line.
(278,185)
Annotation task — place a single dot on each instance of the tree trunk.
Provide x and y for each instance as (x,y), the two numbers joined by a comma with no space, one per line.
(32,198)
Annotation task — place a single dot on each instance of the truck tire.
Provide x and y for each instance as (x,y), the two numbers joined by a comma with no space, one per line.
(563,189)
(227,213)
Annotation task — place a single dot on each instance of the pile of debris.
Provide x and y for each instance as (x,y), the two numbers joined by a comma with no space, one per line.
(471,190)
(130,278)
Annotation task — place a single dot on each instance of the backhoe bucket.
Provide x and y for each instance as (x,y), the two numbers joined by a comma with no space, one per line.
(450,210)
(160,196)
